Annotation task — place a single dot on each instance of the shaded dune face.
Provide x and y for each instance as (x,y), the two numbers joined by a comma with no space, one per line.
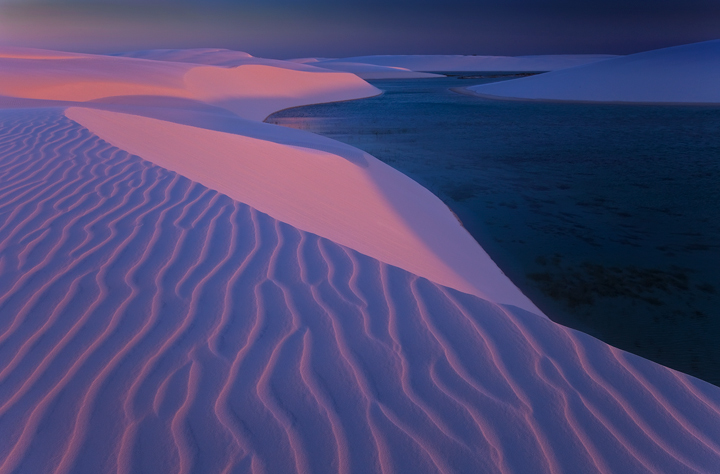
(685,74)
(149,324)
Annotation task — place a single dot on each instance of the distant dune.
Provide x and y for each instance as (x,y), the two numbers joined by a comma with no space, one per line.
(430,63)
(227,58)
(252,90)
(372,71)
(210,56)
(379,67)
(186,289)
(681,74)
(213,57)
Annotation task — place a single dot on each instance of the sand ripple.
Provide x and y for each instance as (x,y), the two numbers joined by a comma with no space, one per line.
(149,324)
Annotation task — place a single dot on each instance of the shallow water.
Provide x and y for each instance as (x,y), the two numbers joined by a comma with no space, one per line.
(606,216)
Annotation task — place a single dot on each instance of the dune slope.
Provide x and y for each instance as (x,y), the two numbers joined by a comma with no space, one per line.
(361,203)
(680,74)
(152,324)
(252,90)
(186,289)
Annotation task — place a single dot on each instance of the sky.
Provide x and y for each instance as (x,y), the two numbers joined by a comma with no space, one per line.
(339,28)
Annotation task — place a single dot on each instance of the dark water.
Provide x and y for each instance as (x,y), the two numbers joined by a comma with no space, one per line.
(606,216)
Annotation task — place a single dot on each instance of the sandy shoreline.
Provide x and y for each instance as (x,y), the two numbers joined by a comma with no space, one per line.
(472,93)
(186,289)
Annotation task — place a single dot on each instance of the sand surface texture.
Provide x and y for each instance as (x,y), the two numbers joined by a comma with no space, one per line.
(166,306)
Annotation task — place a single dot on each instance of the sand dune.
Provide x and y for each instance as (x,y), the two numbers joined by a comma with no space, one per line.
(250,91)
(152,323)
(229,58)
(681,74)
(210,56)
(214,57)
(32,53)
(378,67)
(372,71)
(361,203)
(440,63)
(365,70)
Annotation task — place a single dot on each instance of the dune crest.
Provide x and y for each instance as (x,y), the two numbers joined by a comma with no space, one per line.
(152,324)
(32,53)
(209,56)
(367,206)
(250,90)
(254,91)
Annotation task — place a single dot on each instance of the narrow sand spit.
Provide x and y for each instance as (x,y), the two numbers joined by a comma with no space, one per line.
(478,63)
(152,323)
(372,71)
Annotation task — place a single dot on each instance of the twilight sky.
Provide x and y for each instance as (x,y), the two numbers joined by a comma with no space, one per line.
(336,28)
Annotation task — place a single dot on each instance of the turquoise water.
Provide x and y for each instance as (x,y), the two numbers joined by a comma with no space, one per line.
(606,216)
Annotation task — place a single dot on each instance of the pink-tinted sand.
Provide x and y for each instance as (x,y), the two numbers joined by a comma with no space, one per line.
(184,289)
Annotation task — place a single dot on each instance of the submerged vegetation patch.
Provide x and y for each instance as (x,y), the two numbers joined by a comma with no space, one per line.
(583,284)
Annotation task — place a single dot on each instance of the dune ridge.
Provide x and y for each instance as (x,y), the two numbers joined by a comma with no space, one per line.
(152,324)
(251,91)
(360,203)
(229,58)
(349,197)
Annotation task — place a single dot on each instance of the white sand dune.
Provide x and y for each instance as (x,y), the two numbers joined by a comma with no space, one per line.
(209,56)
(33,53)
(365,70)
(354,200)
(252,90)
(680,74)
(378,67)
(363,204)
(226,58)
(309,60)
(372,71)
(439,63)
(156,322)
(229,58)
